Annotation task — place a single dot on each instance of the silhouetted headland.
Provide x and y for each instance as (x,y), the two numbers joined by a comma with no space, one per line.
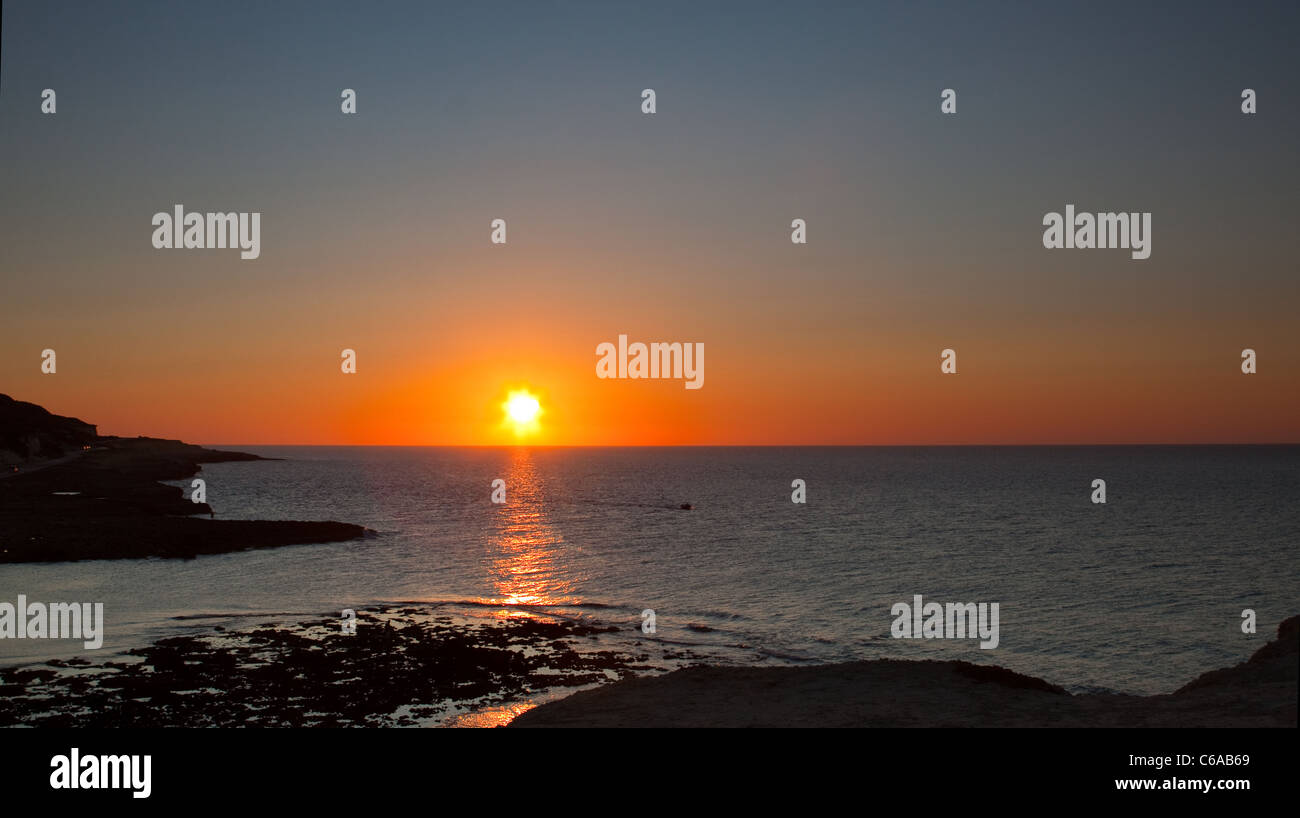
(67,493)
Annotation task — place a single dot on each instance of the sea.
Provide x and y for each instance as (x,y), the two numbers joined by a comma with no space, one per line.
(1139,594)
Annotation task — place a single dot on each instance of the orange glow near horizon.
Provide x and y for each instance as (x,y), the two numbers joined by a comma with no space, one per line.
(873,382)
(886,401)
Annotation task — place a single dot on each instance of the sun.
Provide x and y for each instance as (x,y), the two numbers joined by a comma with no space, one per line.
(522,407)
(522,411)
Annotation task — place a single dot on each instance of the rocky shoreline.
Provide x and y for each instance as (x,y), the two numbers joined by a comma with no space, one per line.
(411,665)
(404,666)
(75,495)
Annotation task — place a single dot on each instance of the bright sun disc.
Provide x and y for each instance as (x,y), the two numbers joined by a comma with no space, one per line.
(522,409)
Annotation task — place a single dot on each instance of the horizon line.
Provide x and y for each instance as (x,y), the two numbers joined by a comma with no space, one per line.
(731,445)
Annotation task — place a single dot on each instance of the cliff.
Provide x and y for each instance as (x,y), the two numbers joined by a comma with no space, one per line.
(30,432)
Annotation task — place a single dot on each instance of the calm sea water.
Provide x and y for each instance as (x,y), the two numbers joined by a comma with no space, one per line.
(1138,595)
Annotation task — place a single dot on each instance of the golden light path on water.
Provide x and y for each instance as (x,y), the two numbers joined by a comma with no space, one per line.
(492,716)
(527,552)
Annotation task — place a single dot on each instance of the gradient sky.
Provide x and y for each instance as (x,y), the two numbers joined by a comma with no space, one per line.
(924,230)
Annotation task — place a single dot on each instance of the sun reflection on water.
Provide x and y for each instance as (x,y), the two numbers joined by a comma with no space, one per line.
(527,551)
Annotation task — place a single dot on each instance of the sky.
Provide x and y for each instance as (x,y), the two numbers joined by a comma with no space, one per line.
(924,229)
